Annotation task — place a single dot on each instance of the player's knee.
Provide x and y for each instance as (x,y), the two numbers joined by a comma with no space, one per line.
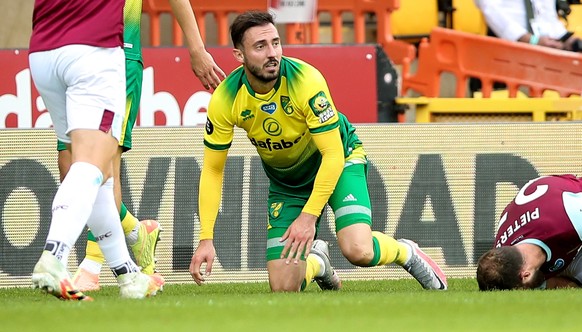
(358,254)
(284,286)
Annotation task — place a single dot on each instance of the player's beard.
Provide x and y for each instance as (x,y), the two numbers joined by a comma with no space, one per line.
(267,77)
(537,279)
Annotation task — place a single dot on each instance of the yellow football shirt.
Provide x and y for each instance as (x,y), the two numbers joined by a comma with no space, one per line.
(279,123)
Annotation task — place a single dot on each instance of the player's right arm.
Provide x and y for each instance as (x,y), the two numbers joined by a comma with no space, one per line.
(209,203)
(217,139)
(210,184)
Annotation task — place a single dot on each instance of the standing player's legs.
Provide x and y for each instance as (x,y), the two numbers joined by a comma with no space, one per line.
(283,210)
(350,202)
(142,237)
(91,123)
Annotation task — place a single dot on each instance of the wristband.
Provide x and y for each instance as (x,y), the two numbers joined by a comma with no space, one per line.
(534,39)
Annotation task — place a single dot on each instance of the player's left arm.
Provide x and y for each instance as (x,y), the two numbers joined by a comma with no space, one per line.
(299,236)
(330,146)
(323,122)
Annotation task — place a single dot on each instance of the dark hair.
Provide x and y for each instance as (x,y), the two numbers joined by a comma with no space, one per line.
(245,21)
(499,269)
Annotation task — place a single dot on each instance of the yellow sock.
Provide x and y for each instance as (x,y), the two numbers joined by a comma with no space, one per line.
(128,220)
(387,250)
(313,268)
(93,252)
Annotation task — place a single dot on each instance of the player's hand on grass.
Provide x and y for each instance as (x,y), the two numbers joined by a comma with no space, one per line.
(299,237)
(205,253)
(207,71)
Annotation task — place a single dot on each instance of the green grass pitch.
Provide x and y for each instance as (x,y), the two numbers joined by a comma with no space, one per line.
(361,306)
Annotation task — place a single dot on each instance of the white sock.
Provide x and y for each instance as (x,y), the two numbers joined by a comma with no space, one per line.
(321,264)
(409,254)
(90,266)
(105,224)
(72,206)
(132,237)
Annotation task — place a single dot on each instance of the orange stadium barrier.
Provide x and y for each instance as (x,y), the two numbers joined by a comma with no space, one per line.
(397,50)
(491,60)
(219,9)
(295,33)
(154,9)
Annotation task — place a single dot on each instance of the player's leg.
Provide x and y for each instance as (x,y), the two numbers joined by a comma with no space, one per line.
(133,283)
(86,278)
(142,237)
(283,210)
(94,126)
(50,272)
(363,247)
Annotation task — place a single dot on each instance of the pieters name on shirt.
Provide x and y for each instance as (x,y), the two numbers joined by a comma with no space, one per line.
(523,220)
(275,145)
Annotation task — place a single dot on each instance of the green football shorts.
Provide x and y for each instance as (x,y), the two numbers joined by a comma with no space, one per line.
(350,203)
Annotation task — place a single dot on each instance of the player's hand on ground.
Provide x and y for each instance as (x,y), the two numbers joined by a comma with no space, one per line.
(299,237)
(207,71)
(205,253)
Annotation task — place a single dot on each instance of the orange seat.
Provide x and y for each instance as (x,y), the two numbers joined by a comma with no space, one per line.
(574,22)
(415,19)
(467,17)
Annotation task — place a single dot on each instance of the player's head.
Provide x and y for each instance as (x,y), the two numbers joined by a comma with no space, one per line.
(499,269)
(257,44)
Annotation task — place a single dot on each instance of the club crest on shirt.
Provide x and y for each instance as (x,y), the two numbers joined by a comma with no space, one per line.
(269,108)
(286,105)
(321,107)
(275,210)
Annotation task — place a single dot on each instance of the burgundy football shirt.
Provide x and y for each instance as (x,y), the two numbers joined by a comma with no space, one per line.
(547,212)
(56,23)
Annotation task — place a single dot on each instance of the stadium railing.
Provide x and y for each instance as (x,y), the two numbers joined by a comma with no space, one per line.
(492,60)
(358,10)
(219,9)
(519,66)
(429,110)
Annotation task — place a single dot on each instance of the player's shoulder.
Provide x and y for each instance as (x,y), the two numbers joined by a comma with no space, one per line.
(294,68)
(229,87)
